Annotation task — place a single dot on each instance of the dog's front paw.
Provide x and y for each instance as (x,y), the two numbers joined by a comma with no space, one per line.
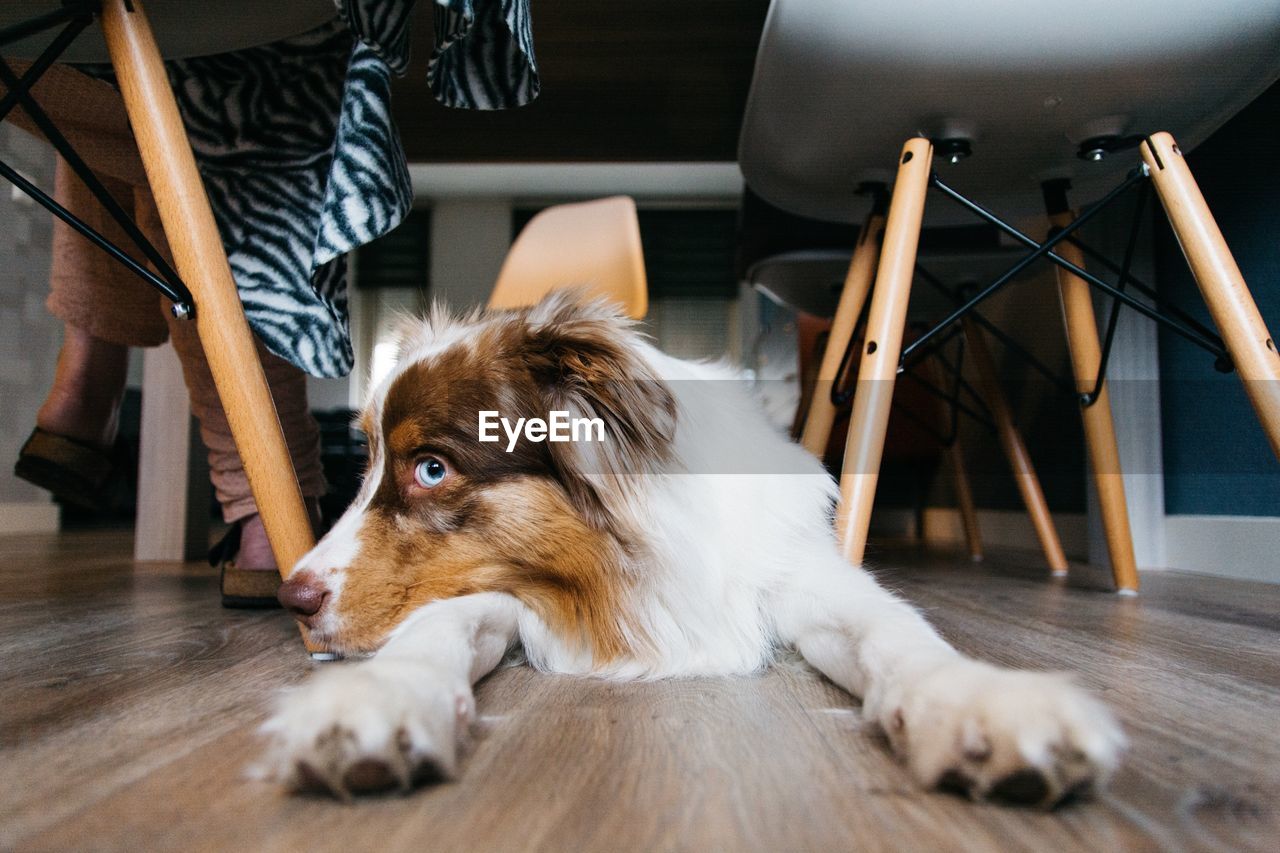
(1022,737)
(366,727)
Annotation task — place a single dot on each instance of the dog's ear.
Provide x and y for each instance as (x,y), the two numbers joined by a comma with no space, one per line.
(585,358)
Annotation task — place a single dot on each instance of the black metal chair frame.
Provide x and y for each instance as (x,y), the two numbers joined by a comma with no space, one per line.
(74,17)
(932,341)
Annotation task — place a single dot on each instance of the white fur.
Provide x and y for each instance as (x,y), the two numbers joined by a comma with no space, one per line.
(407,708)
(740,560)
(331,556)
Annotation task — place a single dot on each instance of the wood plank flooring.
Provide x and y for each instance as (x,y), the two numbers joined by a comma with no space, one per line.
(128,702)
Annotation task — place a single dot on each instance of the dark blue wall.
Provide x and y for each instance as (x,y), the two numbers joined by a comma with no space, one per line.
(1216,458)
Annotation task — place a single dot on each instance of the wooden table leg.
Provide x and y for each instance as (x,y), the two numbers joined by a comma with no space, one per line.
(202,262)
(857,284)
(1015,449)
(878,368)
(1251,346)
(1099,429)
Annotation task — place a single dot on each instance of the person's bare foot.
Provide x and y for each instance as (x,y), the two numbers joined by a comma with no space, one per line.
(255,551)
(88,385)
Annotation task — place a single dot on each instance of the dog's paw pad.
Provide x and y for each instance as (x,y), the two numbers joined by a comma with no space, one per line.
(306,779)
(955,782)
(430,773)
(1021,788)
(1019,738)
(370,776)
(363,730)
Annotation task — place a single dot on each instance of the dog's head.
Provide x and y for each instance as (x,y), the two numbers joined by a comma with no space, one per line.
(442,514)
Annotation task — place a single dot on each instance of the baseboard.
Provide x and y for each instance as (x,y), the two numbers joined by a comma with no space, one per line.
(29,517)
(1000,528)
(1232,546)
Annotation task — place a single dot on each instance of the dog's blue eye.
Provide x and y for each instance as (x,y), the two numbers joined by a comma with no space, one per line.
(430,472)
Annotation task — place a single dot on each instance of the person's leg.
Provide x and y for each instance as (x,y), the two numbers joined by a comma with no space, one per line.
(289,390)
(104,309)
(84,401)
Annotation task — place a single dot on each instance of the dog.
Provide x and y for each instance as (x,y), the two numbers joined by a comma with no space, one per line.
(694,540)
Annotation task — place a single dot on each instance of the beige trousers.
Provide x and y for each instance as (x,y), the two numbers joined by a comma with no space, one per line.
(92,292)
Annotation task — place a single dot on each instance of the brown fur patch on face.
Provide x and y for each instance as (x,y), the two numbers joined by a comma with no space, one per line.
(520,537)
(544,522)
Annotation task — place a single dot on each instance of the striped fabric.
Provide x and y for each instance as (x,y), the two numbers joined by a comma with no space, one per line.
(384,26)
(483,58)
(303,162)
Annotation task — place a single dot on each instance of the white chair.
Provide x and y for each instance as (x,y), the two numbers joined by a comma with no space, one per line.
(1031,94)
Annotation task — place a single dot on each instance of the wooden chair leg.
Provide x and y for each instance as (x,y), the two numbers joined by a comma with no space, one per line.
(202,262)
(879,364)
(964,500)
(857,284)
(1099,430)
(1024,473)
(1251,346)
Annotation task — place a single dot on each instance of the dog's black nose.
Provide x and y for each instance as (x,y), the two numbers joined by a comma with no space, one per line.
(302,595)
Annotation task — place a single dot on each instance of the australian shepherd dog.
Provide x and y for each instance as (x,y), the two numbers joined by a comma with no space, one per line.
(691,539)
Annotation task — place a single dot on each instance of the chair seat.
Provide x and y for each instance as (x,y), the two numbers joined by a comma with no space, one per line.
(805,280)
(840,84)
(592,244)
(182,28)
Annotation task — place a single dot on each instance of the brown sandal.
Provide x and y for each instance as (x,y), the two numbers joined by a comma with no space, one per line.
(242,589)
(74,471)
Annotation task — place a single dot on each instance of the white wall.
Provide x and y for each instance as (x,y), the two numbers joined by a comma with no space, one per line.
(1231,546)
(469,240)
(1133,383)
(29,336)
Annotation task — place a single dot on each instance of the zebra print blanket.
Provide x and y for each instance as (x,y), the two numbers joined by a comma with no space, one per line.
(303,162)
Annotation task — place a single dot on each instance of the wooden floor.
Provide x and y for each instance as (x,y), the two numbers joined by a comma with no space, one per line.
(129,701)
